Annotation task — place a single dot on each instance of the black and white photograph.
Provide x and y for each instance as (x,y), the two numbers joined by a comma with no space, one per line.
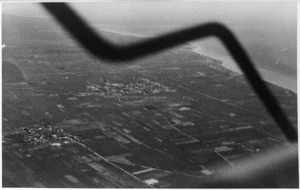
(149,94)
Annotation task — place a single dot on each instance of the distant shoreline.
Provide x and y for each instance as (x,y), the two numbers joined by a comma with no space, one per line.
(228,64)
(268,76)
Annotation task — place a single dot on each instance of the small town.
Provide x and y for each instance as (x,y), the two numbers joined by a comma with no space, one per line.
(141,86)
(46,135)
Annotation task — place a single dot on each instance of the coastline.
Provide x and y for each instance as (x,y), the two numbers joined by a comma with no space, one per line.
(280,80)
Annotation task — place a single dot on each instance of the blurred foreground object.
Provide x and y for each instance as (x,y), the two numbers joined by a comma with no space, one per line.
(276,168)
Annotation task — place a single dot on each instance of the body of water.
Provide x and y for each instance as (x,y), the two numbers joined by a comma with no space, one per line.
(280,79)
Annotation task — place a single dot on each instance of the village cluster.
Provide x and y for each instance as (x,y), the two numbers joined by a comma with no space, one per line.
(141,87)
(41,135)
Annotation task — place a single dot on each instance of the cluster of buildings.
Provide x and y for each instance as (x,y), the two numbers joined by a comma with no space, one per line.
(42,135)
(141,86)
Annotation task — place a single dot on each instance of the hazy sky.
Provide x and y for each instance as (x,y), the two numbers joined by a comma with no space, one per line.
(180,13)
(170,11)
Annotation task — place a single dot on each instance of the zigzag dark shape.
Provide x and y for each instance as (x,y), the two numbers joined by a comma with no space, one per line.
(103,49)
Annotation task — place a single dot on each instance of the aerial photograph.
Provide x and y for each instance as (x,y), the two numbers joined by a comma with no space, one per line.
(149,94)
